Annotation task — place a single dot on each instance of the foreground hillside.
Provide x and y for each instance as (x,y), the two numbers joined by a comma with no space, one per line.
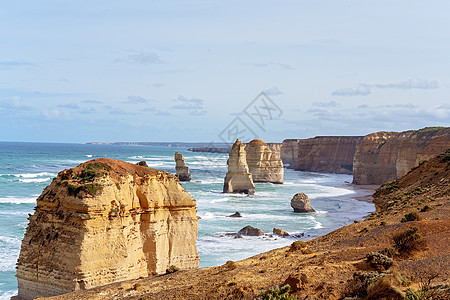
(413,210)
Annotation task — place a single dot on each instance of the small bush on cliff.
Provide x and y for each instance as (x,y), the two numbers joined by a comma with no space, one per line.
(379,261)
(297,245)
(276,294)
(90,188)
(93,170)
(409,241)
(412,216)
(172,269)
(445,157)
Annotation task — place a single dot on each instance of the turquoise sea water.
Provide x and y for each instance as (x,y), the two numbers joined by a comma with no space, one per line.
(27,168)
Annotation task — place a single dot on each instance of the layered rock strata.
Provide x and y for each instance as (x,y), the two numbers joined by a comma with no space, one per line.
(238,178)
(329,154)
(183,172)
(106,221)
(385,156)
(264,164)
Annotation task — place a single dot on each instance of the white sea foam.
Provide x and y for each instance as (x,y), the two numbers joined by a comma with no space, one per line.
(9,251)
(219,200)
(35,175)
(8,294)
(88,155)
(18,200)
(35,180)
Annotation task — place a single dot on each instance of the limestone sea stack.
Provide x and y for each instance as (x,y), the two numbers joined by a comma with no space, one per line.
(183,172)
(300,203)
(238,178)
(106,221)
(264,164)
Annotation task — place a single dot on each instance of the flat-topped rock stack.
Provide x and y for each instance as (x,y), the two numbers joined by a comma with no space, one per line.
(238,178)
(183,172)
(106,221)
(264,164)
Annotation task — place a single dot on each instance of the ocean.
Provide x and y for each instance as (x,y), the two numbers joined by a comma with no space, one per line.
(27,168)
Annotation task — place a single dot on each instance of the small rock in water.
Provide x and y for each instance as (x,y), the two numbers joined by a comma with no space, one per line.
(238,236)
(280,232)
(236,215)
(250,231)
(300,203)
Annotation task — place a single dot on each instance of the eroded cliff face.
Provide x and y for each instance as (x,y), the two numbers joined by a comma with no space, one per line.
(264,164)
(106,221)
(329,154)
(238,178)
(385,156)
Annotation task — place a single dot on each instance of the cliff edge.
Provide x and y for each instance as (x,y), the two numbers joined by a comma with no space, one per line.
(384,156)
(106,221)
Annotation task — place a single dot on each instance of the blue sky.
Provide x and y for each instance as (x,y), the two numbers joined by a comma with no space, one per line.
(76,71)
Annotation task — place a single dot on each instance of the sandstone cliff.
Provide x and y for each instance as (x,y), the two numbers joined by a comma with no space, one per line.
(183,172)
(336,265)
(384,156)
(329,154)
(106,221)
(238,178)
(264,164)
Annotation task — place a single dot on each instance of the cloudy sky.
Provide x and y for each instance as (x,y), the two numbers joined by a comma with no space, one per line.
(80,71)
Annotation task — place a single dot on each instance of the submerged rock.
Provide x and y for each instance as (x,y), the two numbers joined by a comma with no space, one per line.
(183,172)
(106,221)
(250,231)
(236,215)
(300,203)
(238,178)
(280,232)
(264,164)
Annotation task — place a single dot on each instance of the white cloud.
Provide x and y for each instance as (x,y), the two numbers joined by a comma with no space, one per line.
(141,58)
(274,64)
(189,104)
(136,100)
(414,83)
(361,90)
(273,91)
(364,89)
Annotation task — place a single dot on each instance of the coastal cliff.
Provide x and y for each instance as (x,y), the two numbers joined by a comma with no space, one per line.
(238,178)
(329,154)
(385,156)
(106,221)
(264,164)
(385,256)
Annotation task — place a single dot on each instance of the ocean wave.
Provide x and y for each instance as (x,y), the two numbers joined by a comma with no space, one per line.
(9,251)
(35,180)
(18,200)
(35,175)
(88,155)
(219,200)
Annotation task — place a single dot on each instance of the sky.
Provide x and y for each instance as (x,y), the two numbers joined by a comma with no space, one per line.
(211,71)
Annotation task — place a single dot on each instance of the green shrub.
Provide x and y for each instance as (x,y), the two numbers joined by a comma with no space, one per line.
(412,216)
(426,208)
(379,261)
(297,245)
(445,157)
(276,294)
(93,170)
(172,269)
(409,241)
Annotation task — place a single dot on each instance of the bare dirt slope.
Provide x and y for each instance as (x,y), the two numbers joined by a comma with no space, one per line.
(330,266)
